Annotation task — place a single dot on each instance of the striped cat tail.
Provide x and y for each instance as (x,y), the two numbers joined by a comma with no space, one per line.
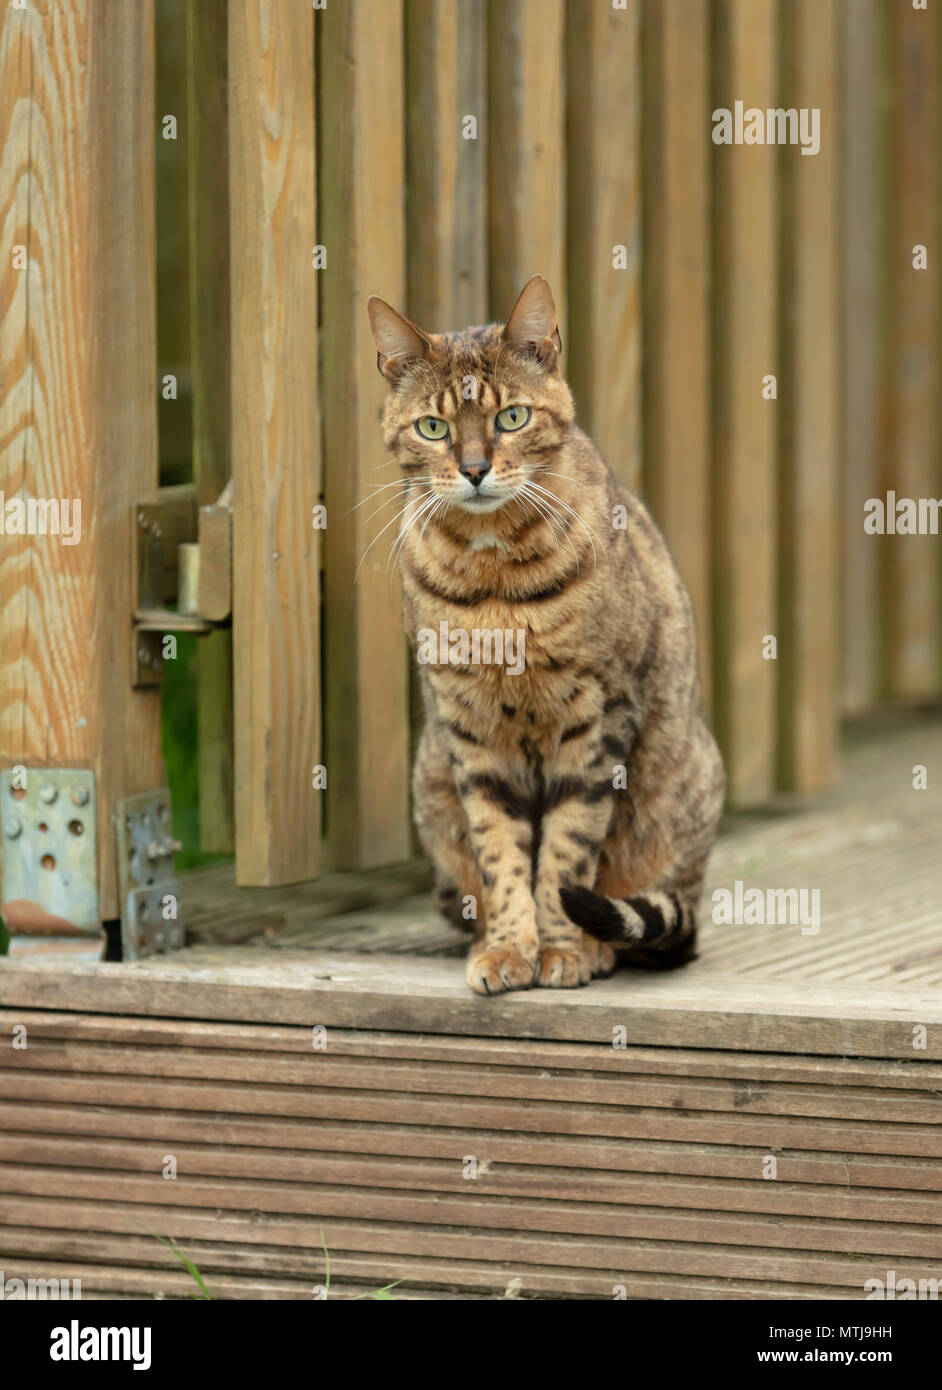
(656,920)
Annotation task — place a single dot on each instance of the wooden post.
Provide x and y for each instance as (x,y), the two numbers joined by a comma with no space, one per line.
(78,389)
(863,198)
(744,422)
(677,292)
(275,441)
(526,204)
(809,535)
(362,172)
(602,331)
(208,173)
(912,608)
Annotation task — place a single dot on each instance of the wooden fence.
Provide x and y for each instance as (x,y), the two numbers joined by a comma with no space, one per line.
(438,152)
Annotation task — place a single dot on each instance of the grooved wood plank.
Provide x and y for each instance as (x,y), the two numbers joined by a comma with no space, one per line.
(661,1062)
(395,1242)
(536,1116)
(690,1008)
(744,424)
(422,1278)
(676,281)
(504,1180)
(442,1079)
(526,149)
(603,185)
(362,167)
(807,411)
(341,1137)
(78,390)
(471,1211)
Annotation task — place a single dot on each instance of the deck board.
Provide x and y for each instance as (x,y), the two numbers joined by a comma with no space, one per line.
(769,1126)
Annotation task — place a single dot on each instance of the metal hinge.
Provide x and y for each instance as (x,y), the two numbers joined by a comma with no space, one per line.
(49,899)
(151,916)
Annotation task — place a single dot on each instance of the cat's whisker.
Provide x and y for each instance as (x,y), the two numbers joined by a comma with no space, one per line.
(434,512)
(540,509)
(379,487)
(592,537)
(413,521)
(385,529)
(558,517)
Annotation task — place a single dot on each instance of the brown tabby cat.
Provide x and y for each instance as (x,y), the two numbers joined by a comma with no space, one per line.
(565,779)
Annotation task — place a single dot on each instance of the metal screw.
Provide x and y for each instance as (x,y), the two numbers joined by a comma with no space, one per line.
(154,850)
(157,530)
(12,827)
(79,795)
(48,794)
(142,520)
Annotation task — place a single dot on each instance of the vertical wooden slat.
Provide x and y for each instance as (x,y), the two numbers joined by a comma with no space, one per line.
(603,359)
(446,190)
(78,389)
(275,441)
(446,183)
(809,534)
(360,67)
(862,203)
(744,424)
(676,293)
(912,600)
(526,112)
(208,175)
(471,298)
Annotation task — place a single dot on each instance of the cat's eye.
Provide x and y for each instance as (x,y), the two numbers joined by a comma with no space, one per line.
(513,417)
(430,427)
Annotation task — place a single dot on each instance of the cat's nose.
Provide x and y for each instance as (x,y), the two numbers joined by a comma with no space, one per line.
(474,470)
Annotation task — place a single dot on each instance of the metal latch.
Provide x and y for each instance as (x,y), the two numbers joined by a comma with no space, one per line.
(151,919)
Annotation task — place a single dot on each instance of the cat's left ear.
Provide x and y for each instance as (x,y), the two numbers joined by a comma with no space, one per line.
(398,341)
(532,327)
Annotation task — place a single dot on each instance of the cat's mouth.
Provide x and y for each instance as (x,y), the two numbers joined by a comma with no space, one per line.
(481,502)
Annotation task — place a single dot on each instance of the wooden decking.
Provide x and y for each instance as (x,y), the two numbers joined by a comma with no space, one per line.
(765,1123)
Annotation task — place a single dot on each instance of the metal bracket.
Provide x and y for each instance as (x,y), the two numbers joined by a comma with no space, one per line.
(50,859)
(149,891)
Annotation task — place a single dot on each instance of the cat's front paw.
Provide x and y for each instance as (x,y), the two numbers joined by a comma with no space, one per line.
(496,970)
(563,968)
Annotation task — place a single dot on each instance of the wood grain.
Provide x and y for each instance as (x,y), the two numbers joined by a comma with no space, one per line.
(744,424)
(676,278)
(603,185)
(809,533)
(275,443)
(526,150)
(862,192)
(78,390)
(362,225)
(912,588)
(210,328)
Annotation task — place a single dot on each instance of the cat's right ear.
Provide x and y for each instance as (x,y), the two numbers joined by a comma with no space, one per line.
(398,341)
(531,327)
